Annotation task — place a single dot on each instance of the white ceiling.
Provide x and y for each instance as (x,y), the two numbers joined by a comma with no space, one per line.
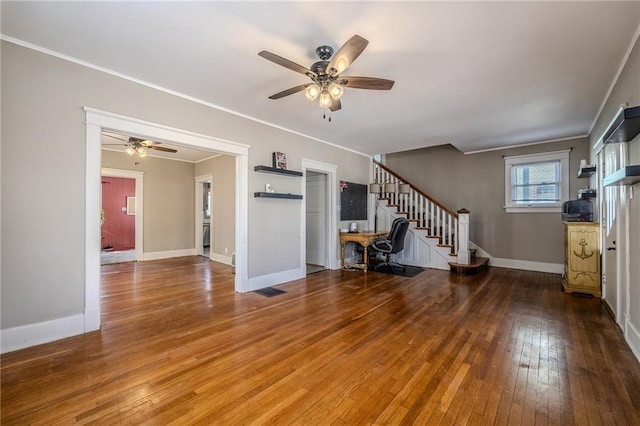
(478,75)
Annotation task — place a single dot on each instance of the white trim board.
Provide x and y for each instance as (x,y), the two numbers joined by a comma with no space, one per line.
(632,336)
(527,265)
(155,255)
(221,258)
(256,283)
(28,335)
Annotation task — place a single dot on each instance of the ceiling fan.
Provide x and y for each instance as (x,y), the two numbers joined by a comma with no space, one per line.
(326,82)
(137,146)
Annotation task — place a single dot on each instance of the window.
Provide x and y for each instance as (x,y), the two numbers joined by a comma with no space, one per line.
(536,183)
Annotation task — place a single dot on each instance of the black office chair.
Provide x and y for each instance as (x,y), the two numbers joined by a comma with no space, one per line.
(391,244)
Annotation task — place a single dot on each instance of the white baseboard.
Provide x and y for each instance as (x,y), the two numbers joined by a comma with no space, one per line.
(167,254)
(263,281)
(632,336)
(526,265)
(221,258)
(28,335)
(91,319)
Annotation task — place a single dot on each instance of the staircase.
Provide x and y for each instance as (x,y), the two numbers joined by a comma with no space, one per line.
(475,265)
(438,237)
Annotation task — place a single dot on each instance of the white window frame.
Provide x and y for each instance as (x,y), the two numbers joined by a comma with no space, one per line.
(509,162)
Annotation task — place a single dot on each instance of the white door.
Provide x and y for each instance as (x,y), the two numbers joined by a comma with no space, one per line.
(316,218)
(609,224)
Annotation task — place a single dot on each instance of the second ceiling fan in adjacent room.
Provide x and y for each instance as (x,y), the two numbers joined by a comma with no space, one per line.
(137,146)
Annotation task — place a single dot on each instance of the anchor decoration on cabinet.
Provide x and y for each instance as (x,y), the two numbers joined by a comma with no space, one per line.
(583,255)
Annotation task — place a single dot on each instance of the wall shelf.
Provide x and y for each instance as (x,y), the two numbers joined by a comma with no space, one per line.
(586,172)
(273,170)
(625,127)
(625,176)
(277,195)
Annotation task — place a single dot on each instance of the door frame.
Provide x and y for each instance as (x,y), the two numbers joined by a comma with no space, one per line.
(199,217)
(319,178)
(612,157)
(331,232)
(97,120)
(139,217)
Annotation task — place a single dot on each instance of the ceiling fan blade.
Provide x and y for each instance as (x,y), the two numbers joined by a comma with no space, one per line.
(371,83)
(287,63)
(345,56)
(290,91)
(335,105)
(161,148)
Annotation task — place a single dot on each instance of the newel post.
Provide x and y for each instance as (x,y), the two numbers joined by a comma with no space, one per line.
(464,256)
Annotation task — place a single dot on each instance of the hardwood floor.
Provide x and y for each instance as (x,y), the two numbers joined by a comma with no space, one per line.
(178,346)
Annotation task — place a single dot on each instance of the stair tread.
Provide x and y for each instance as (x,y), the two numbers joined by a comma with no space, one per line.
(474,263)
(478,264)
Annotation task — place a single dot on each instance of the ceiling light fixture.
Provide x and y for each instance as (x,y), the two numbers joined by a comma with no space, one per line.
(141,151)
(136,149)
(336,91)
(325,99)
(312,92)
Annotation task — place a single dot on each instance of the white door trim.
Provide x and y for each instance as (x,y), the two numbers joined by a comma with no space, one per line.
(138,177)
(199,217)
(332,212)
(95,121)
(319,256)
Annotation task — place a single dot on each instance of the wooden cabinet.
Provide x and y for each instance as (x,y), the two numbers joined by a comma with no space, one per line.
(581,258)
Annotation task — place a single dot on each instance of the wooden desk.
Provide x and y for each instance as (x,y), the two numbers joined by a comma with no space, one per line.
(362,238)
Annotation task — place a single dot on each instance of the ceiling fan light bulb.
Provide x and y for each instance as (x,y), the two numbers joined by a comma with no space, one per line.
(312,92)
(142,152)
(336,91)
(130,150)
(325,100)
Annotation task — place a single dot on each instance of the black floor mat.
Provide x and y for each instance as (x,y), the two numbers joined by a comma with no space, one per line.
(269,291)
(403,270)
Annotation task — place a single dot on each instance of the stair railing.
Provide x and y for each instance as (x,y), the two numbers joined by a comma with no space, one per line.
(429,215)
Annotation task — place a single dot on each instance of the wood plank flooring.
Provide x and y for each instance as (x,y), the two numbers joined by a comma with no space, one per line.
(178,346)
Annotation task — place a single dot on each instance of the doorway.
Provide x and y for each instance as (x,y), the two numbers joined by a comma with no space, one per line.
(96,120)
(133,209)
(203,225)
(614,220)
(316,222)
(118,220)
(320,201)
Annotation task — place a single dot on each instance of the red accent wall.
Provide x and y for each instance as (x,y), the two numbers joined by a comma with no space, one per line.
(118,228)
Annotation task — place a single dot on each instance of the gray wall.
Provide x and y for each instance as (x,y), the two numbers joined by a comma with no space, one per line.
(476,182)
(43,177)
(223,169)
(168,199)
